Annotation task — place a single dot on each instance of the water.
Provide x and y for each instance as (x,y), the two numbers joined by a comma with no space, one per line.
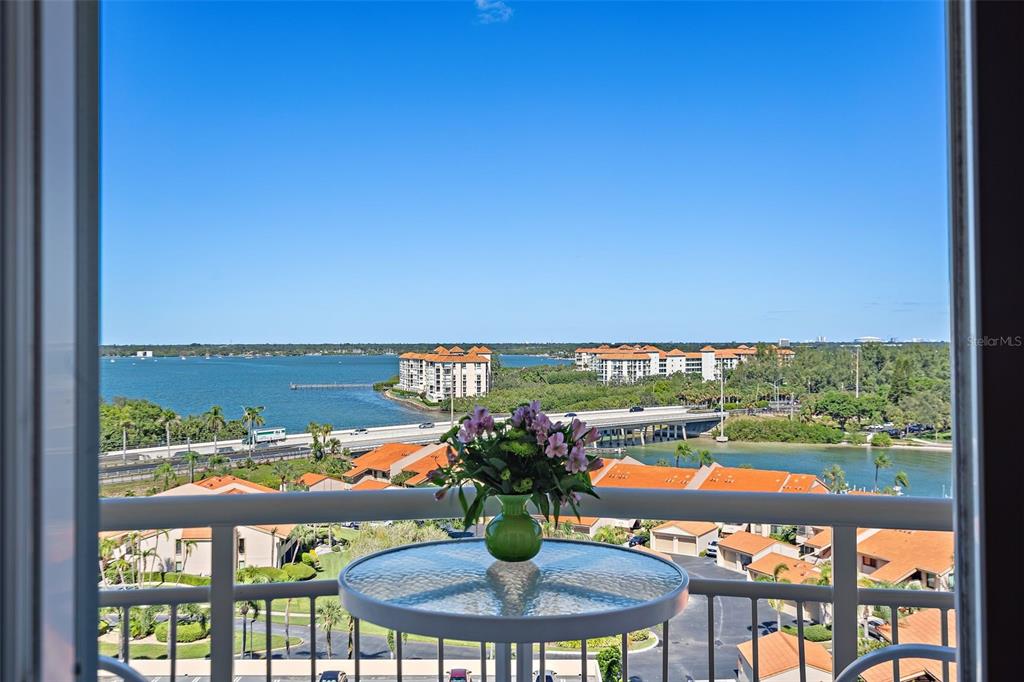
(192,385)
(930,471)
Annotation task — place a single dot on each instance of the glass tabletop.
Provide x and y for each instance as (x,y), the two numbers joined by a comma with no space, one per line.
(567,578)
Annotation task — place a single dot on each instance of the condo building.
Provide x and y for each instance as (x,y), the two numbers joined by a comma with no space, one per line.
(444,372)
(628,363)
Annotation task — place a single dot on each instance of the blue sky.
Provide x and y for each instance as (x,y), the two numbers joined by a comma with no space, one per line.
(503,171)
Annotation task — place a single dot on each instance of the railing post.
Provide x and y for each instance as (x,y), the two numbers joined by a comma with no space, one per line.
(844,597)
(222,603)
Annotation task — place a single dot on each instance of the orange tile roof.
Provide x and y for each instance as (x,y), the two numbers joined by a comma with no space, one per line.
(430,460)
(707,348)
(746,480)
(803,483)
(797,571)
(380,459)
(746,543)
(822,538)
(446,356)
(623,475)
(196,534)
(370,484)
(926,550)
(921,627)
(695,528)
(310,478)
(215,482)
(778,652)
(675,352)
(625,356)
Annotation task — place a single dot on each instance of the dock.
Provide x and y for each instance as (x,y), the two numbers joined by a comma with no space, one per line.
(325,387)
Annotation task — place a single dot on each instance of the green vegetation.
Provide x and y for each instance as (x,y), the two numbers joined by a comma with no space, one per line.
(611,535)
(200,649)
(636,639)
(129,422)
(881,440)
(812,633)
(187,631)
(563,350)
(386,384)
(781,430)
(609,662)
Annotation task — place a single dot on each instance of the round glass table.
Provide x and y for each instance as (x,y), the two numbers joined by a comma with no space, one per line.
(571,590)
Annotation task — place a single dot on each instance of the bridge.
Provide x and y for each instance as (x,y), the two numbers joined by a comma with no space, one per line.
(618,427)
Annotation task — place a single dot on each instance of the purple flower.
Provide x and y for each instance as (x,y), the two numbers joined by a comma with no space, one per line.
(541,426)
(466,433)
(435,476)
(577,461)
(524,414)
(591,437)
(579,429)
(480,421)
(439,495)
(596,464)
(556,445)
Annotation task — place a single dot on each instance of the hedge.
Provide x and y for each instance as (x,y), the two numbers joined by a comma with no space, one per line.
(299,571)
(273,574)
(780,430)
(187,632)
(103,627)
(812,633)
(172,577)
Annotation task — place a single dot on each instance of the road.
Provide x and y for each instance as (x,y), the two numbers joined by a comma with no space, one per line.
(115,466)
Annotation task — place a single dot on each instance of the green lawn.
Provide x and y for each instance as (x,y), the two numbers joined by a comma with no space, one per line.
(199,649)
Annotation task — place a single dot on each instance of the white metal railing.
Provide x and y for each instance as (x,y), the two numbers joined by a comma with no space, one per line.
(843,513)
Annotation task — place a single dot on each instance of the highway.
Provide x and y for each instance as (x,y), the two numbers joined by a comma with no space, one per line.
(137,462)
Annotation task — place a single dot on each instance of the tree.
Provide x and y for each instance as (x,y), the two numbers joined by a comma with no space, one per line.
(776,603)
(284,471)
(330,614)
(164,472)
(215,421)
(835,478)
(252,417)
(217,463)
(902,480)
(168,419)
(882,461)
(188,546)
(683,451)
(611,535)
(192,458)
(124,422)
(609,662)
(253,607)
(837,405)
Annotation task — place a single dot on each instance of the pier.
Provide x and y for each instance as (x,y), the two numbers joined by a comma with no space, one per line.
(325,387)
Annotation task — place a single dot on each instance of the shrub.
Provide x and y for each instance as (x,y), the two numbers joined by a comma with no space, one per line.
(172,577)
(307,558)
(141,622)
(882,440)
(609,662)
(812,633)
(272,573)
(639,635)
(187,632)
(299,571)
(336,548)
(102,628)
(780,430)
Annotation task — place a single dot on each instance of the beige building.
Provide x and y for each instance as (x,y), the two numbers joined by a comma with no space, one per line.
(189,549)
(741,549)
(687,538)
(446,371)
(629,363)
(320,482)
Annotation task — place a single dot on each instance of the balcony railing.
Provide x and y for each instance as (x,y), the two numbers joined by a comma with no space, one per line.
(845,514)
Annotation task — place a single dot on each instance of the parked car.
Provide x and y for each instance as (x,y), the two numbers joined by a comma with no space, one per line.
(460,675)
(427,425)
(570,414)
(872,626)
(637,540)
(636,408)
(359,430)
(712,551)
(333,676)
(549,676)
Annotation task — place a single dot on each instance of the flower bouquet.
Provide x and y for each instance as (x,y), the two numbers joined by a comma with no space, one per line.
(521,459)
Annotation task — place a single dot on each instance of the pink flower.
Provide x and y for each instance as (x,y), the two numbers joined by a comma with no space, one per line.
(556,445)
(577,461)
(541,426)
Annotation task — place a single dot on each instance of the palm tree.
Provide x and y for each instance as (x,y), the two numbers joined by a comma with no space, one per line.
(835,477)
(776,603)
(168,419)
(215,421)
(882,461)
(192,458)
(684,452)
(165,471)
(330,614)
(124,422)
(216,462)
(824,578)
(902,480)
(188,546)
(107,547)
(284,471)
(252,416)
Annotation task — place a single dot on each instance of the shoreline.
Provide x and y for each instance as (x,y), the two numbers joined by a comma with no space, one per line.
(410,402)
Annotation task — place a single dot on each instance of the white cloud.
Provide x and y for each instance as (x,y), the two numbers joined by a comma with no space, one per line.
(492,11)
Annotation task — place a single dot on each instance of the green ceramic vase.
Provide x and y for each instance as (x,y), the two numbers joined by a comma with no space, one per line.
(513,535)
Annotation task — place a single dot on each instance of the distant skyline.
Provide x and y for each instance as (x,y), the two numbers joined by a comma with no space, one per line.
(509,171)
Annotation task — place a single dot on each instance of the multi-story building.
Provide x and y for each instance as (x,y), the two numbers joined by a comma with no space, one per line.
(628,363)
(445,372)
